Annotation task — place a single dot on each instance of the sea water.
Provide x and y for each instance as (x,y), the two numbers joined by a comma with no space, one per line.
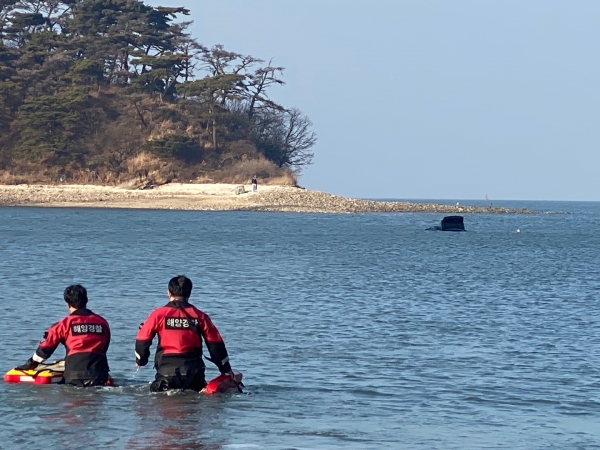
(353,331)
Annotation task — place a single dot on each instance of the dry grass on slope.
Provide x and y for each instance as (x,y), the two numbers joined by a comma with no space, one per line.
(146,169)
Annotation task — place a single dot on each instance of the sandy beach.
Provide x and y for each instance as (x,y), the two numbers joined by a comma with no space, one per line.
(214,197)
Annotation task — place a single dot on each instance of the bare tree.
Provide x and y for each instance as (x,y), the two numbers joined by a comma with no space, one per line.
(299,139)
(285,137)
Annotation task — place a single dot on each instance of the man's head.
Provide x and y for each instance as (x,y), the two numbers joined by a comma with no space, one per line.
(76,296)
(180,287)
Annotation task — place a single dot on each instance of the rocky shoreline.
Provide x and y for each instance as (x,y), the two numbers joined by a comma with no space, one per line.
(208,197)
(323,202)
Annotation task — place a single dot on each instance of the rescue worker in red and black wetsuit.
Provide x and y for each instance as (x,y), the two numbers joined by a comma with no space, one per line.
(86,337)
(181,327)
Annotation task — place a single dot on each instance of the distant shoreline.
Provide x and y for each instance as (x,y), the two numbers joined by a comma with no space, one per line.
(218,197)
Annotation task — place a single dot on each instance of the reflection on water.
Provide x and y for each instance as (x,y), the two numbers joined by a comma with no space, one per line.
(352,331)
(182,420)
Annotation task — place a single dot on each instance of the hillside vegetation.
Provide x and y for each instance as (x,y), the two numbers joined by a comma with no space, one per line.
(110,91)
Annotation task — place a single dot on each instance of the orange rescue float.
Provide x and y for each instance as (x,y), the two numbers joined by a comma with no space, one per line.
(42,374)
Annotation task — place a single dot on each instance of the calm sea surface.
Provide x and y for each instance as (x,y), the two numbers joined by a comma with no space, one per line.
(352,331)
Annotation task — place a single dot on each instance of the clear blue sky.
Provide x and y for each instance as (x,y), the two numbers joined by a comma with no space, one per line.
(431,98)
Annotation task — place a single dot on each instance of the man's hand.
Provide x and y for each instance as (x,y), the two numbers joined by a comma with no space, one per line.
(29,365)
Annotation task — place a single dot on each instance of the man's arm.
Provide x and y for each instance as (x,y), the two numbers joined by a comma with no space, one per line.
(109,336)
(46,347)
(214,343)
(143,340)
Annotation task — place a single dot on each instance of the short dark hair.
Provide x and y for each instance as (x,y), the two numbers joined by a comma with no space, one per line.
(180,286)
(76,296)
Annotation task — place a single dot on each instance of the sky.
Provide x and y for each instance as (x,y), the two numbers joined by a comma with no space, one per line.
(431,99)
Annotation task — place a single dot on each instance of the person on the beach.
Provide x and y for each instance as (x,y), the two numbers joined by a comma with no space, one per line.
(86,337)
(254,184)
(181,327)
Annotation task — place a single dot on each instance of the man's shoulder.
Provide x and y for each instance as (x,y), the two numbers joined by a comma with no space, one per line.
(65,320)
(195,308)
(102,318)
(200,314)
(89,313)
(160,310)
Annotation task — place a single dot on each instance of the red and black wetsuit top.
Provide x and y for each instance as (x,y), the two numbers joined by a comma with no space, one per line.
(86,337)
(179,326)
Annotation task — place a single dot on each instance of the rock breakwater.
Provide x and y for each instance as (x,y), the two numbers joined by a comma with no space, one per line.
(291,199)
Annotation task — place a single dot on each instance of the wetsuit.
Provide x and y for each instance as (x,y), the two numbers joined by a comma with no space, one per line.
(181,327)
(86,337)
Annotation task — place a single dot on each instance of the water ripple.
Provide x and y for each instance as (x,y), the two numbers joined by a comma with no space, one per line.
(357,331)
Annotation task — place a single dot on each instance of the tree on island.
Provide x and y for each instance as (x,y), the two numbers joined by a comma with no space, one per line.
(108,89)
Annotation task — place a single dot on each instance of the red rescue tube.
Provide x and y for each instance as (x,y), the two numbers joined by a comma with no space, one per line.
(224,383)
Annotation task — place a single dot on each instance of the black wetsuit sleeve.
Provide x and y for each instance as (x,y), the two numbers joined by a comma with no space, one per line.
(218,355)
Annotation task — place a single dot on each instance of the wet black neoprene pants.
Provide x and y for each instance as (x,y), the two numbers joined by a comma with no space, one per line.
(193,381)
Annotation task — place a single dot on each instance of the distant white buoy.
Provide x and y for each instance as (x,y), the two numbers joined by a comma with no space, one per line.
(518,230)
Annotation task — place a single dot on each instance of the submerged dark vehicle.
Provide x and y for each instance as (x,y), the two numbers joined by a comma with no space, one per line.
(450,223)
